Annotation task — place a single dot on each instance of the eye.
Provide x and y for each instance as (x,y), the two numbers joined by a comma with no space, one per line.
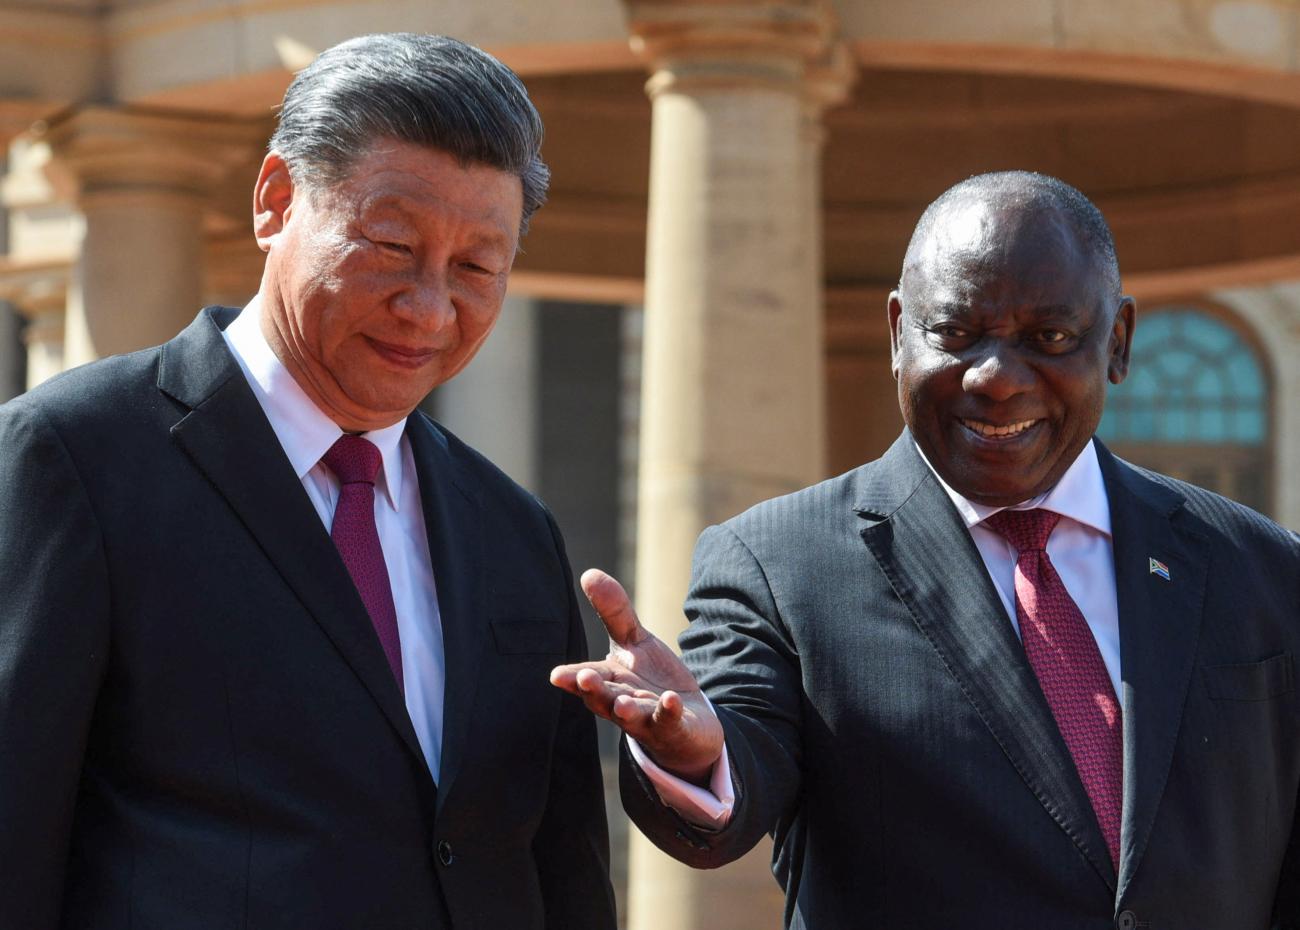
(950,335)
(476,269)
(385,244)
(1053,339)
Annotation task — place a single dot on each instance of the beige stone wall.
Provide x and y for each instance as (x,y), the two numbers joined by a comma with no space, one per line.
(1273,313)
(1235,47)
(232,57)
(766,359)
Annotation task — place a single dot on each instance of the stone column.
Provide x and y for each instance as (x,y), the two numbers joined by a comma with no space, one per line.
(40,231)
(733,383)
(12,362)
(141,180)
(43,306)
(43,338)
(493,404)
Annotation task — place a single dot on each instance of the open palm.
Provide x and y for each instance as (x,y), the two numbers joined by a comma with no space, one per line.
(643,687)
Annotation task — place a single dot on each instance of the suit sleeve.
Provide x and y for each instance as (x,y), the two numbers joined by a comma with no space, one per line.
(1286,903)
(741,653)
(54,609)
(571,848)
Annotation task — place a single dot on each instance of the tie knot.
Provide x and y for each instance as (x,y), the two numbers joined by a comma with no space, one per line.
(1025,530)
(353,460)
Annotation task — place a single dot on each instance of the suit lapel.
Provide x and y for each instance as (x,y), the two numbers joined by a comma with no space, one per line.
(1159,629)
(230,440)
(927,554)
(452,519)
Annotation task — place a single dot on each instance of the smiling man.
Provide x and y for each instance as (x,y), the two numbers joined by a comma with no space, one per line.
(274,645)
(997,678)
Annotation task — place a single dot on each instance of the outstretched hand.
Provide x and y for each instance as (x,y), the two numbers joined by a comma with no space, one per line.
(643,687)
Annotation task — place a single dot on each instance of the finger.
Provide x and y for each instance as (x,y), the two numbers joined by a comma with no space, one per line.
(634,714)
(668,710)
(626,708)
(589,680)
(565,677)
(596,686)
(613,606)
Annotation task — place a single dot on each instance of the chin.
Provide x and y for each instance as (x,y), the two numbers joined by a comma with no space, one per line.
(991,488)
(1008,498)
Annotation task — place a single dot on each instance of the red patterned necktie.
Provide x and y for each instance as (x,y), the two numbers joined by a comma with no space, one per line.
(355,462)
(1064,655)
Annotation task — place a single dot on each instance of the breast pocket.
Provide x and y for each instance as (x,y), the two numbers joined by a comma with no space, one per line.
(1251,681)
(1250,713)
(530,636)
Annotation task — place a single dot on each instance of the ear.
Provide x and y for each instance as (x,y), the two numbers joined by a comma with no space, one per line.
(1121,340)
(272,199)
(895,312)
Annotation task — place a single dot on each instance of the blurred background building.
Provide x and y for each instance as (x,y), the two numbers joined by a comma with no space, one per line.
(698,320)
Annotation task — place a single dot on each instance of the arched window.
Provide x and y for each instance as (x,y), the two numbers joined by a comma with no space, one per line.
(1195,405)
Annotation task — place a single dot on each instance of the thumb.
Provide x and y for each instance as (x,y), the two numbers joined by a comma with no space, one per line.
(613,606)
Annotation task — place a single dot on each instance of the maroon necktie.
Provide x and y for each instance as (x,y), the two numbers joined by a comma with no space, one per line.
(355,462)
(1064,655)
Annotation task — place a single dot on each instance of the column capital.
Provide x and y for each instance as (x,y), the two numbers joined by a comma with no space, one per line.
(830,78)
(35,286)
(100,150)
(38,292)
(44,325)
(780,44)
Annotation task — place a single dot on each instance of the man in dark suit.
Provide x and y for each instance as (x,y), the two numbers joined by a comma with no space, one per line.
(997,678)
(274,645)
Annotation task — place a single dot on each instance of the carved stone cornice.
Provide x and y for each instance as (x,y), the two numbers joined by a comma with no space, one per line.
(829,79)
(778,44)
(36,286)
(100,150)
(44,325)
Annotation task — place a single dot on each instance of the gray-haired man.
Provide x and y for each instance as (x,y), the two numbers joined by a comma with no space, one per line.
(273,646)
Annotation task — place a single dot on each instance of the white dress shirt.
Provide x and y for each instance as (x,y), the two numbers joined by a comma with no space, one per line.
(1080,549)
(306,434)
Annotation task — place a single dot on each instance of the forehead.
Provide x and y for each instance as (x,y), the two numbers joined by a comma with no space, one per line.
(980,254)
(422,182)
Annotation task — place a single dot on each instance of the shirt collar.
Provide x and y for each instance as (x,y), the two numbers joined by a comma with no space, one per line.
(303,429)
(1079,495)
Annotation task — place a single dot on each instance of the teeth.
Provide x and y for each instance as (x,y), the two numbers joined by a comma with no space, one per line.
(990,431)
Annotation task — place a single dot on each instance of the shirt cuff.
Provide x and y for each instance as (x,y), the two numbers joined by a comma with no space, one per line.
(710,807)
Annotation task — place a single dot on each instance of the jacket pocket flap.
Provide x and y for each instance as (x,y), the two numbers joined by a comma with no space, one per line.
(538,635)
(1251,681)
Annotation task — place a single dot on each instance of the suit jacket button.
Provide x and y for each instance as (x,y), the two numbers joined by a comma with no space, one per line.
(445,855)
(1126,920)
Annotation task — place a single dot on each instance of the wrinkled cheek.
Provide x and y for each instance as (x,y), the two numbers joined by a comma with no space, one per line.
(912,393)
(927,389)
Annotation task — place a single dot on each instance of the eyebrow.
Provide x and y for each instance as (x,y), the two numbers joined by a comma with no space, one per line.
(489,235)
(1057,310)
(966,310)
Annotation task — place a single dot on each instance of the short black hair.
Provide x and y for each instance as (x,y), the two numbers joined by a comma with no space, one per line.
(1029,189)
(427,90)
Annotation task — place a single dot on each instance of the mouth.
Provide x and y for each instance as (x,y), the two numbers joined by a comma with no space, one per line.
(994,432)
(411,357)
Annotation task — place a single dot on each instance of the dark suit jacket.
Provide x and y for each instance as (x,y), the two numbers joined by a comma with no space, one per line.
(198,728)
(883,722)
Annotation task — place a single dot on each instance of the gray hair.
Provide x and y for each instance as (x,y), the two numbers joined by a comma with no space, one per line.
(1029,190)
(427,90)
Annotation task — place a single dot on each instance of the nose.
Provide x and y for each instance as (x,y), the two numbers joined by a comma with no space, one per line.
(999,374)
(425,302)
